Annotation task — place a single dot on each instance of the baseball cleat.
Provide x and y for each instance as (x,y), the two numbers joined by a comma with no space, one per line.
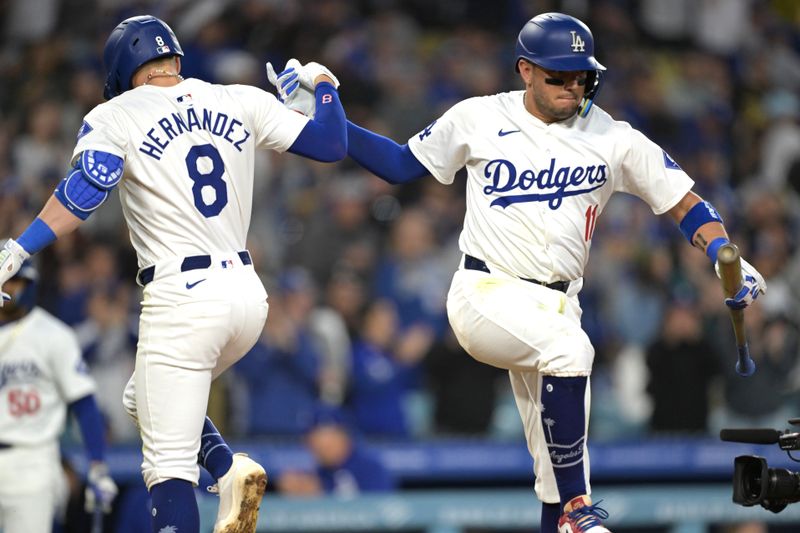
(580,516)
(240,491)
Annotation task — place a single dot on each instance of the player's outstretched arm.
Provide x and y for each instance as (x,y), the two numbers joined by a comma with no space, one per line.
(76,197)
(101,489)
(54,220)
(703,228)
(324,137)
(382,156)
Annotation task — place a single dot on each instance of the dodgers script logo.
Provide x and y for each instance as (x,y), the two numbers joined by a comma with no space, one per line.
(554,183)
(19,372)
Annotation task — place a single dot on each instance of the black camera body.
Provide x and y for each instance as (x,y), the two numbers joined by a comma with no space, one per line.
(754,483)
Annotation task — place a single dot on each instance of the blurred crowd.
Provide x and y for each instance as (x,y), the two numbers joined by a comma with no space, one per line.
(358,270)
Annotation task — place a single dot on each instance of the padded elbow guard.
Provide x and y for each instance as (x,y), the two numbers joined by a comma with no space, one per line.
(89,183)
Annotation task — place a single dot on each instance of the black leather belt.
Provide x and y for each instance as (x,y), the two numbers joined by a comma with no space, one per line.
(193,262)
(473,263)
(4,446)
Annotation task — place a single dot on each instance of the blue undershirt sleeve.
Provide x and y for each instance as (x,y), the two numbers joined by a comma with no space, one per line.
(91,423)
(382,156)
(324,138)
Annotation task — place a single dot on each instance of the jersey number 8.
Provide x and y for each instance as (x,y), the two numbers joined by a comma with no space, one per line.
(210,178)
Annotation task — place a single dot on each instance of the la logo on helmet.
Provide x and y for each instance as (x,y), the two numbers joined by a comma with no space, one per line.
(577,43)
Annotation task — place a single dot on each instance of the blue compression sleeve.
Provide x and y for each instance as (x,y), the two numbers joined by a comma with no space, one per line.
(325,137)
(382,156)
(91,422)
(37,236)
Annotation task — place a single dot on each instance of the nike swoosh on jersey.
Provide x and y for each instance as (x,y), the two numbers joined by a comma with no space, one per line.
(192,285)
(502,133)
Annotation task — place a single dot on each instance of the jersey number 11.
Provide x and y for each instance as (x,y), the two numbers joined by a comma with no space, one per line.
(591,221)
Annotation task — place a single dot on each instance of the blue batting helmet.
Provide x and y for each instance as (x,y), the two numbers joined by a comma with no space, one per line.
(26,298)
(134,42)
(559,42)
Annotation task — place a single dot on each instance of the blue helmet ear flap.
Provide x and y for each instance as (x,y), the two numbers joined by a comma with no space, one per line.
(594,80)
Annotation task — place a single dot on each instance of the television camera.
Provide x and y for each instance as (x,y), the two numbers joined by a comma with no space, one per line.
(754,483)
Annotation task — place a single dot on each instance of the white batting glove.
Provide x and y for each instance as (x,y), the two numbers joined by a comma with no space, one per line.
(294,95)
(312,70)
(753,284)
(305,74)
(100,488)
(11,258)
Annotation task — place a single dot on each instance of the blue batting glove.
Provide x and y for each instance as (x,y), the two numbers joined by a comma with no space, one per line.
(291,90)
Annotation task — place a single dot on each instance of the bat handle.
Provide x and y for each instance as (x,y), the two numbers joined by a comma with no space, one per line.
(730,270)
(745,365)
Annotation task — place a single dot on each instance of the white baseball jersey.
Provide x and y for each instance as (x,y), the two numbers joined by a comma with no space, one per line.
(41,371)
(189,159)
(535,190)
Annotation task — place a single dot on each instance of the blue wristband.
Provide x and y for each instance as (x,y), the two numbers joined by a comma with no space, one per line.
(36,236)
(713,249)
(701,213)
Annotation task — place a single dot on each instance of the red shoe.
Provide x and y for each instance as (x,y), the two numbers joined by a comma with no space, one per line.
(580,516)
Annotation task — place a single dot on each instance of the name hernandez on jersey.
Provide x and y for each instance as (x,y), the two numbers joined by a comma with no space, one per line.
(534,190)
(217,123)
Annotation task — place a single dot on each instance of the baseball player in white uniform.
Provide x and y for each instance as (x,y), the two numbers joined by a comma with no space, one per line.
(182,153)
(541,165)
(42,374)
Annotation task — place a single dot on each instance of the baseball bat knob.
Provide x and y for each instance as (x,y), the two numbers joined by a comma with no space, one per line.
(728,253)
(745,366)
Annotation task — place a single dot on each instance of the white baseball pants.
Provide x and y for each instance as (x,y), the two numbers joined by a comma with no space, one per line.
(193,326)
(32,487)
(531,331)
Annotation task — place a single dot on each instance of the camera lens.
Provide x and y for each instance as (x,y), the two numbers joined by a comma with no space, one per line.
(751,480)
(783,485)
(752,483)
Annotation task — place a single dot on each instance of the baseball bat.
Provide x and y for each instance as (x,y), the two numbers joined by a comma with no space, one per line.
(730,271)
(97,518)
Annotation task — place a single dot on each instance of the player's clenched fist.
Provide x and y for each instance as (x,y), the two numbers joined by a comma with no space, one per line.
(296,84)
(11,258)
(753,284)
(294,95)
(308,75)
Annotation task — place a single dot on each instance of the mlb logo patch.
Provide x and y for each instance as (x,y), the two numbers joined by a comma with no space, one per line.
(227,263)
(669,162)
(162,49)
(185,99)
(85,128)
